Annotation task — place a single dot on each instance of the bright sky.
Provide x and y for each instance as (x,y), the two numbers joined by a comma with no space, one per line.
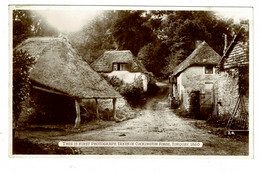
(72,19)
(235,13)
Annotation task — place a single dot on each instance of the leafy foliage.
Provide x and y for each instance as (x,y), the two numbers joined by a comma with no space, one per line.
(22,63)
(96,37)
(181,29)
(130,31)
(160,39)
(30,24)
(153,56)
(132,92)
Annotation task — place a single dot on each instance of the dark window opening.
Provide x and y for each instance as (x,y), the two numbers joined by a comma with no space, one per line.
(119,66)
(209,69)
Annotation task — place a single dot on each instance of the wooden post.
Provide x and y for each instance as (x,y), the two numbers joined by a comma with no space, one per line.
(114,108)
(97,113)
(77,121)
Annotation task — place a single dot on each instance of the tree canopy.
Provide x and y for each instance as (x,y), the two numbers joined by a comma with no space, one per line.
(160,39)
(27,23)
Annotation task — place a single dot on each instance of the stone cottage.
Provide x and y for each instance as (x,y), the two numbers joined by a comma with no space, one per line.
(232,87)
(122,64)
(195,75)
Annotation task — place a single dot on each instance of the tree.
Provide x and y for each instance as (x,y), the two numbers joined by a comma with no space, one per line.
(179,30)
(22,63)
(95,37)
(27,24)
(161,39)
(22,26)
(130,31)
(153,57)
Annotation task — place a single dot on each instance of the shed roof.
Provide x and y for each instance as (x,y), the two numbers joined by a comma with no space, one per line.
(105,61)
(202,55)
(59,67)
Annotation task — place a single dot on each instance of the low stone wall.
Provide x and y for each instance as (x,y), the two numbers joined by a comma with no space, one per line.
(105,106)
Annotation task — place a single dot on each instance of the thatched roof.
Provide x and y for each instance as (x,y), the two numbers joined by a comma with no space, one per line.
(59,67)
(202,55)
(104,63)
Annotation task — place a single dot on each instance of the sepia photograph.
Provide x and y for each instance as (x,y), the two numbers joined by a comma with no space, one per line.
(130,81)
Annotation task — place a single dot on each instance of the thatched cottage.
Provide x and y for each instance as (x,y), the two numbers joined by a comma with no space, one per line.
(232,87)
(122,64)
(59,70)
(193,79)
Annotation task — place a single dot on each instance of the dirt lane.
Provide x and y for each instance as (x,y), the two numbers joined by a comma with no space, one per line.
(156,123)
(159,123)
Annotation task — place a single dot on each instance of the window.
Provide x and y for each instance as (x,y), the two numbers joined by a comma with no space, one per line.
(119,66)
(115,67)
(209,69)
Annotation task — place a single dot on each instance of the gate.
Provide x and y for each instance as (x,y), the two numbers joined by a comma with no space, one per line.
(206,105)
(195,104)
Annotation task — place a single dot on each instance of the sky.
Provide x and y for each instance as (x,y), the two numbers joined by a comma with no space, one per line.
(235,13)
(70,19)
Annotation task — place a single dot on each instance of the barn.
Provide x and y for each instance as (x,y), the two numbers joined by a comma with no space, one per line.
(60,71)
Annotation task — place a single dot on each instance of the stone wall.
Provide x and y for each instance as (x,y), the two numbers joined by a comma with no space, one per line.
(105,103)
(227,91)
(105,107)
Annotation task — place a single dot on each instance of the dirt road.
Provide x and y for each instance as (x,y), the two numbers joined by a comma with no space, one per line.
(156,123)
(159,123)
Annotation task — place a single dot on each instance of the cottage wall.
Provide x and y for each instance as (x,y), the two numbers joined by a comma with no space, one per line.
(193,79)
(228,82)
(130,78)
(227,91)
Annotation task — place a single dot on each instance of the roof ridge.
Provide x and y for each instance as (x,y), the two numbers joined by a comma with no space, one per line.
(190,59)
(56,68)
(118,51)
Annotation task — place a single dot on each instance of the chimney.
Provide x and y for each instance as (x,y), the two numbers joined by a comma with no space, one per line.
(197,43)
(225,43)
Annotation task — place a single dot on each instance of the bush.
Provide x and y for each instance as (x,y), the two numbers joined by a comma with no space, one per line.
(183,113)
(221,121)
(114,81)
(133,92)
(22,62)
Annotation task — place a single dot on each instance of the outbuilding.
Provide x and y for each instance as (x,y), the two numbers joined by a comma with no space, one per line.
(60,70)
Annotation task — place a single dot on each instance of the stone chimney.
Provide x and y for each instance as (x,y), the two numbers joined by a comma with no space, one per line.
(197,43)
